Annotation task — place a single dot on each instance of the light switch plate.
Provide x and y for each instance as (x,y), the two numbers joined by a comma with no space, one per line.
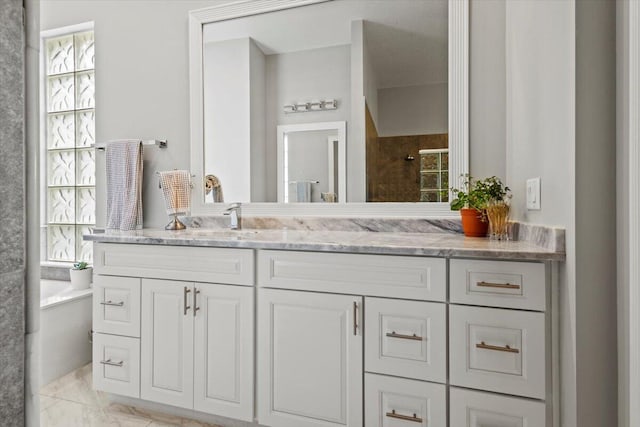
(533,194)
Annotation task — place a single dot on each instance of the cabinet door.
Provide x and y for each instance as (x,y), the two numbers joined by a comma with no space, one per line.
(167,342)
(223,381)
(309,359)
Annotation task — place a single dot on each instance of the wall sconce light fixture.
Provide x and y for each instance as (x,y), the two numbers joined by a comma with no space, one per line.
(303,107)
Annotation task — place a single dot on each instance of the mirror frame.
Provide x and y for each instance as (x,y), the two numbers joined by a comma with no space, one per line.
(458,107)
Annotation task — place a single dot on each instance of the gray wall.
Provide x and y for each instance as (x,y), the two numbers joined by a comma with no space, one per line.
(596,213)
(13,214)
(413,110)
(487,89)
(560,110)
(304,76)
(142,90)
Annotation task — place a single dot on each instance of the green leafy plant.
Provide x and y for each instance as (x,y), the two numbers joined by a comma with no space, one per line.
(479,193)
(80,265)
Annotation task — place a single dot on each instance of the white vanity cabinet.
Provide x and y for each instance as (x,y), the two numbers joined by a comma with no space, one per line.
(311,365)
(309,359)
(193,341)
(500,341)
(197,346)
(341,339)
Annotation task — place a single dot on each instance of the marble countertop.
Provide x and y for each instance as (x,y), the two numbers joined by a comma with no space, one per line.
(388,243)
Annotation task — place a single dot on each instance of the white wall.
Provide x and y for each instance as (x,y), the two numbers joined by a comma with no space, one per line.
(560,62)
(370,79)
(487,89)
(541,142)
(142,87)
(303,77)
(258,136)
(227,130)
(413,110)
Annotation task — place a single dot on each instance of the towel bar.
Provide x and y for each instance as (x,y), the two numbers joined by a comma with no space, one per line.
(162,143)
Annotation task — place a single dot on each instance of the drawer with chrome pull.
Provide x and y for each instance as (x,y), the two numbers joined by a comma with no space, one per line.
(116,305)
(390,401)
(507,284)
(497,350)
(116,364)
(478,409)
(406,338)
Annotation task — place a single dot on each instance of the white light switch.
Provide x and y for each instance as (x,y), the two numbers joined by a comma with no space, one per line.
(533,194)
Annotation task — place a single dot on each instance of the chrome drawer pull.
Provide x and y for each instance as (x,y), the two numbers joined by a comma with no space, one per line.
(413,337)
(355,318)
(196,291)
(506,348)
(110,363)
(186,307)
(115,304)
(497,285)
(414,418)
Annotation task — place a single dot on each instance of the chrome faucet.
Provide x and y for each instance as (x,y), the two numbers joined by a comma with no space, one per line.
(235,215)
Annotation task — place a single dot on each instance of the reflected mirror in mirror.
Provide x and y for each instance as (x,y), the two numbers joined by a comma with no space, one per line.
(311,163)
(383,63)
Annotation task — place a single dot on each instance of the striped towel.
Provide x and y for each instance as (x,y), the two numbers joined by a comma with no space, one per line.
(124,184)
(176,188)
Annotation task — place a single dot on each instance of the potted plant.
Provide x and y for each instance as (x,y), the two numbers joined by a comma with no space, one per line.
(81,275)
(472,202)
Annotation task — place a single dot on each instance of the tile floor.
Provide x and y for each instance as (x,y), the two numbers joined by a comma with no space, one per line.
(71,402)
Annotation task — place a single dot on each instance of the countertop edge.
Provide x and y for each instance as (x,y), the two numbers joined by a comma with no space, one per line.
(493,253)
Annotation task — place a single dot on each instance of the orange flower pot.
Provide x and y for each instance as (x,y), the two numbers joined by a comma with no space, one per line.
(472,223)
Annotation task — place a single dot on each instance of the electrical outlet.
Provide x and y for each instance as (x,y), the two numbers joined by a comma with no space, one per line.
(533,194)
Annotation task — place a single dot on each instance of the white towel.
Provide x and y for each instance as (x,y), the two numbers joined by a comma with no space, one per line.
(176,188)
(124,184)
(303,191)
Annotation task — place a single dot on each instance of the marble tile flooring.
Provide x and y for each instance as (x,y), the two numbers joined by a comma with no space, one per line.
(71,402)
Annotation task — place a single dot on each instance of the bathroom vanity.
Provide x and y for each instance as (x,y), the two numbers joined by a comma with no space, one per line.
(303,328)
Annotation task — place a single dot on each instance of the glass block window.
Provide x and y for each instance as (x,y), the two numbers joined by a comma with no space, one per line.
(69,90)
(434,175)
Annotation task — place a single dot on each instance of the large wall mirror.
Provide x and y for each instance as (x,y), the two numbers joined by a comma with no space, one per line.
(329,107)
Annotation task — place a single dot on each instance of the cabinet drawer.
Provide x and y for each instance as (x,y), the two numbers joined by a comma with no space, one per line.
(391,402)
(116,364)
(478,409)
(116,305)
(406,338)
(497,350)
(216,265)
(374,275)
(498,283)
